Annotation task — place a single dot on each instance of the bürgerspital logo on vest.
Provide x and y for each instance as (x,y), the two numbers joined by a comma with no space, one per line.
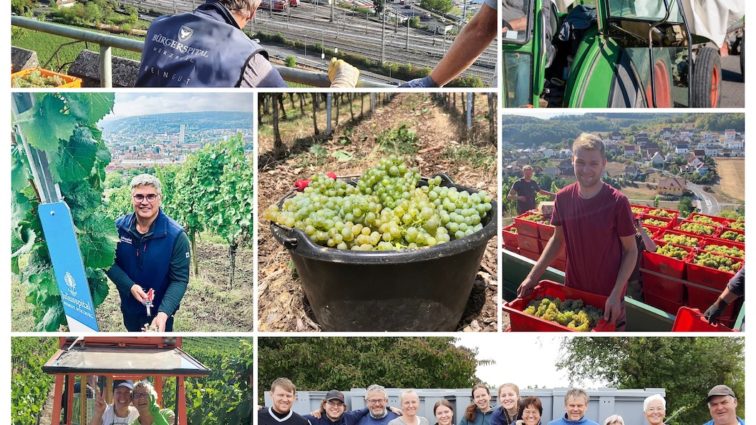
(185,32)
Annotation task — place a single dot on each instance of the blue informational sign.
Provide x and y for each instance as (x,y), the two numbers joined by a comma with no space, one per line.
(68,266)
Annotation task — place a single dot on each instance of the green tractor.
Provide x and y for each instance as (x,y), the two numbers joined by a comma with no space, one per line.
(605,54)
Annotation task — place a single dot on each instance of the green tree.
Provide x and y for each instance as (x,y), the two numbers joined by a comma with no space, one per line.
(291,61)
(324,363)
(29,385)
(685,206)
(439,6)
(685,367)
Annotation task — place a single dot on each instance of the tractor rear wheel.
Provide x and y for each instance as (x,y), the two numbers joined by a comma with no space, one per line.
(707,78)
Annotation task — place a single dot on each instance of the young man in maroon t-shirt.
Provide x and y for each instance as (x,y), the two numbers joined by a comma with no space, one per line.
(595,223)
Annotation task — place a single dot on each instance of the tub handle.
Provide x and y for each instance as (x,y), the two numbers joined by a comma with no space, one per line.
(290,243)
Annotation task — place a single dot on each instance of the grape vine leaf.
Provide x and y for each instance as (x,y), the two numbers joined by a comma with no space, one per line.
(98,242)
(89,107)
(76,158)
(47,126)
(19,175)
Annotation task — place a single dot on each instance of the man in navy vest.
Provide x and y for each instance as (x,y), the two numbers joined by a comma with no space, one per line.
(207,48)
(152,253)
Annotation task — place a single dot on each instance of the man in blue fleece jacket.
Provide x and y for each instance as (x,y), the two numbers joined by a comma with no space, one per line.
(575,405)
(152,254)
(376,399)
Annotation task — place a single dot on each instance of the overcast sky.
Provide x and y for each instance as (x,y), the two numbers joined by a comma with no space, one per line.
(524,359)
(135,104)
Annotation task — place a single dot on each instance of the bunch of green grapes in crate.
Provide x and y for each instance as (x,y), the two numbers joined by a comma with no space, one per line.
(680,239)
(638,210)
(660,213)
(704,220)
(655,222)
(733,236)
(730,251)
(737,225)
(672,251)
(573,314)
(697,228)
(35,79)
(536,217)
(718,262)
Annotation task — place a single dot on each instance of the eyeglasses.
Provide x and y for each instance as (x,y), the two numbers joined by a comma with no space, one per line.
(376,400)
(150,198)
(140,395)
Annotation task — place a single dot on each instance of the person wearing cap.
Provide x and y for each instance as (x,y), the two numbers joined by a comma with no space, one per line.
(283,392)
(121,412)
(333,411)
(376,399)
(208,48)
(722,406)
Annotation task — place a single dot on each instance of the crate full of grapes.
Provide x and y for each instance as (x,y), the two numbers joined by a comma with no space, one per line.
(527,223)
(43,78)
(553,307)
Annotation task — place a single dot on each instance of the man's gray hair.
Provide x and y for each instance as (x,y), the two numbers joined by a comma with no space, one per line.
(376,388)
(651,398)
(147,180)
(574,393)
(241,5)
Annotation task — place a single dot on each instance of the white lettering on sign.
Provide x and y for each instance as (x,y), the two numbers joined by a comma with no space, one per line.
(178,46)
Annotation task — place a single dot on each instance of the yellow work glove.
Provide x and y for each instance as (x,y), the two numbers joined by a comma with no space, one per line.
(342,75)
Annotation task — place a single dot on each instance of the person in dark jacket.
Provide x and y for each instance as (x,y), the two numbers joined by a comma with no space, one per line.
(152,258)
(333,411)
(207,48)
(479,412)
(509,405)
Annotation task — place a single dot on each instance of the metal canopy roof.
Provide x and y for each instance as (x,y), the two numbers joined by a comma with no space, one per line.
(119,360)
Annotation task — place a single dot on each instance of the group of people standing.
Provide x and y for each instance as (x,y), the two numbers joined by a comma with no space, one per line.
(512,409)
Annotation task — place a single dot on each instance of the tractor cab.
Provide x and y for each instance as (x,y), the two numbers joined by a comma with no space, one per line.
(605,53)
(87,366)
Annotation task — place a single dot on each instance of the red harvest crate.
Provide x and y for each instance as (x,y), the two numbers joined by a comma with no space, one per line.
(669,266)
(672,214)
(526,227)
(692,320)
(510,238)
(545,232)
(529,243)
(715,230)
(662,293)
(638,210)
(530,254)
(521,322)
(669,221)
(725,222)
(722,233)
(660,238)
(723,242)
(702,298)
(707,276)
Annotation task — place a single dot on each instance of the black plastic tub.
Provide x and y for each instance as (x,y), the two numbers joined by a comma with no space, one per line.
(410,290)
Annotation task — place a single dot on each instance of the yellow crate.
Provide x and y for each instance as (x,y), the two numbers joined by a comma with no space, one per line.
(69,81)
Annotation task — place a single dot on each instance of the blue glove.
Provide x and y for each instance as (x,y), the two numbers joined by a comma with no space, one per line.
(419,83)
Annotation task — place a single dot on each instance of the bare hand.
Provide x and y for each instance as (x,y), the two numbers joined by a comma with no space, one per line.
(100,404)
(159,322)
(522,198)
(612,309)
(526,287)
(396,410)
(138,293)
(315,414)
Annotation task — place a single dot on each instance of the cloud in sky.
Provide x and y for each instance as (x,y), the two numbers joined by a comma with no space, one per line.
(136,104)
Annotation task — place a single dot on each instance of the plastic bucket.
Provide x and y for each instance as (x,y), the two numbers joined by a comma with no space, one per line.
(409,290)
